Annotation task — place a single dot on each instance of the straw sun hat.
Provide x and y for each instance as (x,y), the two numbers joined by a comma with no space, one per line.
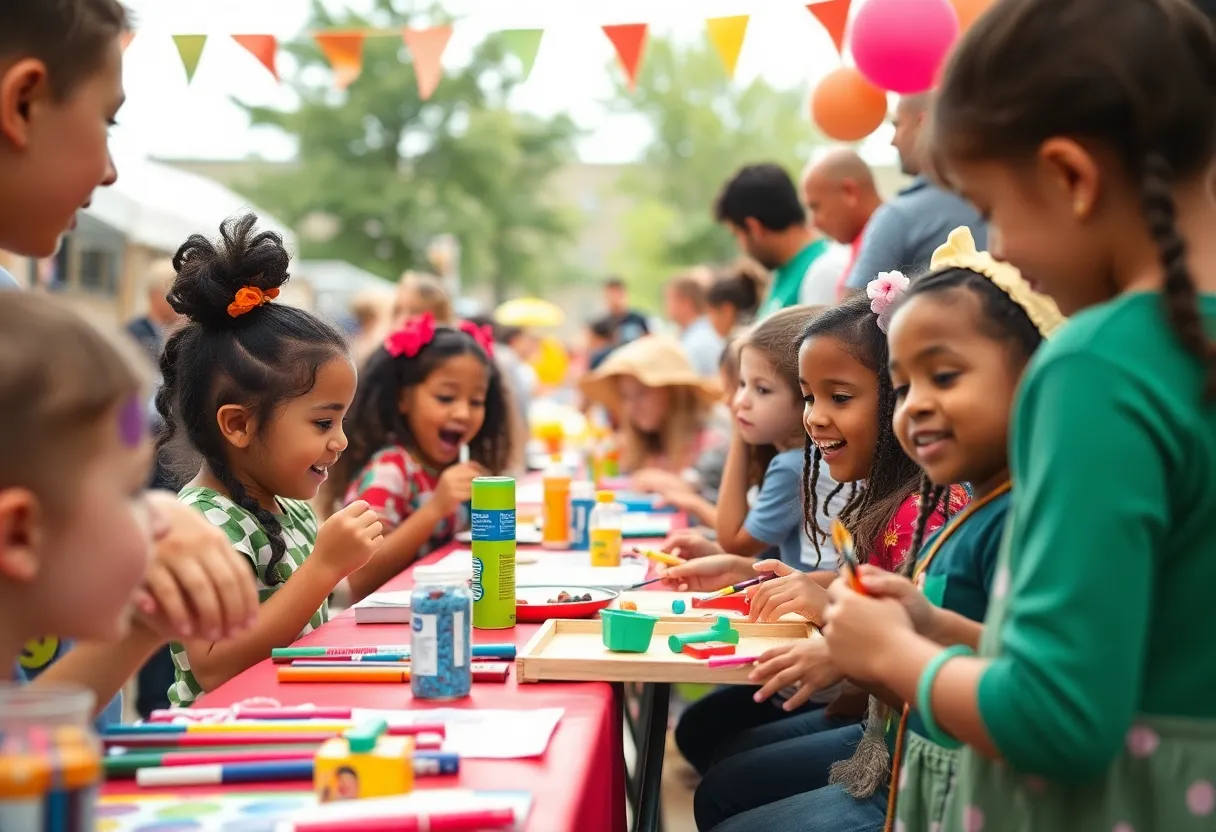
(655,361)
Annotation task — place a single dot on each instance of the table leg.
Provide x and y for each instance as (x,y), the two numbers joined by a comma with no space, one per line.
(650,758)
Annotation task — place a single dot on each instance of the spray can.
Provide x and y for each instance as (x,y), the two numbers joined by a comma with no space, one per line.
(555,533)
(582,501)
(493,545)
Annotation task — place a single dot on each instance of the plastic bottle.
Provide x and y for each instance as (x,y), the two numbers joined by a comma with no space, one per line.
(493,546)
(441,618)
(555,532)
(582,502)
(610,457)
(606,530)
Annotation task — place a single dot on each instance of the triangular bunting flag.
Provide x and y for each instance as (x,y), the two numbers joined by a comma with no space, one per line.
(426,46)
(523,44)
(629,39)
(125,39)
(190,48)
(344,51)
(834,16)
(263,47)
(726,34)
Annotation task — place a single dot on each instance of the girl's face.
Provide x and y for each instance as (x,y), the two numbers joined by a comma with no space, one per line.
(643,407)
(723,319)
(447,409)
(954,389)
(766,410)
(841,406)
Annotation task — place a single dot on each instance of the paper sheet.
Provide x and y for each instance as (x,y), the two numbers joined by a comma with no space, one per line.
(562,568)
(481,734)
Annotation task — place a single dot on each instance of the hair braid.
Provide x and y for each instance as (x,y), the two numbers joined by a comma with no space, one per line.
(930,500)
(269,522)
(827,504)
(810,498)
(1181,300)
(165,404)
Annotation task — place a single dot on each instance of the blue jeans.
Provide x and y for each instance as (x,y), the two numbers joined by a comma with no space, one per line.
(713,727)
(774,768)
(829,809)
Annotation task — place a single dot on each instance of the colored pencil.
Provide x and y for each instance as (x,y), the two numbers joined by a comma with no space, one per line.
(732,661)
(457,821)
(479,651)
(388,672)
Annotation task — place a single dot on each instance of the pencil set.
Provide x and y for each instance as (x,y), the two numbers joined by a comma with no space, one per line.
(49,779)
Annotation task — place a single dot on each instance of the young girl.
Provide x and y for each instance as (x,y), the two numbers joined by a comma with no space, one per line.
(734,296)
(258,390)
(1090,705)
(425,394)
(659,401)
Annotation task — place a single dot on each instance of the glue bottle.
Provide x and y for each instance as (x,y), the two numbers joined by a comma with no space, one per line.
(493,547)
(606,530)
(555,533)
(582,503)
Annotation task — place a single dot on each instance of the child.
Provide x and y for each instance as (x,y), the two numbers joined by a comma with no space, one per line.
(1090,705)
(426,393)
(258,390)
(421,294)
(659,401)
(734,296)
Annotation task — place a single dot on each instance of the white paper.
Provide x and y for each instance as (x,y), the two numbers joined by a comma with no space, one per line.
(478,734)
(562,568)
(423,801)
(385,599)
(529,493)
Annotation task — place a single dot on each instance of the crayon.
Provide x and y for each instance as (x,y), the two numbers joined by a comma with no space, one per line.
(465,820)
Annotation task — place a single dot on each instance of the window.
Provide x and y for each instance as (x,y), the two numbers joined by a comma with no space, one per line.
(99,271)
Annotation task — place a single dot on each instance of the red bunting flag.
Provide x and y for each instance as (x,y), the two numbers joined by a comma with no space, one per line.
(263,47)
(629,39)
(427,45)
(834,16)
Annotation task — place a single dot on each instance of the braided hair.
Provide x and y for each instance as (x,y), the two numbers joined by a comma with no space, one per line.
(892,476)
(1136,77)
(257,360)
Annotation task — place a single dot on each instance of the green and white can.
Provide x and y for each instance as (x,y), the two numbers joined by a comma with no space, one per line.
(493,520)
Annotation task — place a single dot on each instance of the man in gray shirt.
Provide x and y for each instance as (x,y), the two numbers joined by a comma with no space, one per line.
(904,233)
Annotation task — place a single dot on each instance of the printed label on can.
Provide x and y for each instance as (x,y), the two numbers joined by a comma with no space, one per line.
(458,650)
(424,646)
(493,524)
(605,547)
(478,590)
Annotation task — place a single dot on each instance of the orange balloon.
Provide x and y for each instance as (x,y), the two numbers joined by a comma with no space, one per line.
(847,107)
(968,11)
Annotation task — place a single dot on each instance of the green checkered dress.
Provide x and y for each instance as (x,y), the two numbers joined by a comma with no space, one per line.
(247,537)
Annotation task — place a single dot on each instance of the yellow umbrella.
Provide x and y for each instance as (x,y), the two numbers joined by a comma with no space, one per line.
(529,312)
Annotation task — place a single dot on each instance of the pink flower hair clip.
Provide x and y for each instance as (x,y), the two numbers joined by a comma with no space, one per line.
(883,291)
(415,334)
(483,335)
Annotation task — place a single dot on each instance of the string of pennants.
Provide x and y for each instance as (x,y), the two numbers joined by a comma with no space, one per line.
(344,49)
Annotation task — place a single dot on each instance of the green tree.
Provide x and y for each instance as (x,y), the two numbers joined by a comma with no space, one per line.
(395,171)
(705,127)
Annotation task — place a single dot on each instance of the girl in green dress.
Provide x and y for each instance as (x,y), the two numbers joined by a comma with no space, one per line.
(1084,132)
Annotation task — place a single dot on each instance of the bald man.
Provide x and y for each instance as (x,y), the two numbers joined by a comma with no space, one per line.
(903,234)
(841,195)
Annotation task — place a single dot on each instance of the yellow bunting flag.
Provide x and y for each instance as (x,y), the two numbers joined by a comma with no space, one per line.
(427,45)
(523,44)
(344,51)
(125,39)
(190,49)
(726,34)
(263,47)
(834,15)
(629,40)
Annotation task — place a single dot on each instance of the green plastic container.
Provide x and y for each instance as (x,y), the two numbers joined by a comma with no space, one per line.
(626,631)
(493,520)
(720,630)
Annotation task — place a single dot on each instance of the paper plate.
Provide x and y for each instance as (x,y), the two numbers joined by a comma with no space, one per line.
(538,607)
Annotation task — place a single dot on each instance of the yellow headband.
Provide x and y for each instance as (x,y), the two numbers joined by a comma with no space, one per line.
(959,252)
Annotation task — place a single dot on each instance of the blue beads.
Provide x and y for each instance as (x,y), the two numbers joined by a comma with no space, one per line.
(677,606)
(441,613)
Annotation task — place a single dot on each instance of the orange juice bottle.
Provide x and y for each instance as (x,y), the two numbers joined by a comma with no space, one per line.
(555,531)
(606,530)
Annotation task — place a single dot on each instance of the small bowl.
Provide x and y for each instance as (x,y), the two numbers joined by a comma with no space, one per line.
(626,631)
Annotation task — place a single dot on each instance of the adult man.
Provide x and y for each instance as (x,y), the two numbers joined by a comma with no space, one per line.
(842,196)
(628,322)
(760,206)
(684,299)
(904,233)
(151,329)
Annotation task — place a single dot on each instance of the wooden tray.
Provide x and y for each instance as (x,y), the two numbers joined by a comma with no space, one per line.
(568,650)
(658,603)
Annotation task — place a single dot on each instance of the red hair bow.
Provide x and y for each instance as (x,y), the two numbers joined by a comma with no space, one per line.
(483,335)
(416,333)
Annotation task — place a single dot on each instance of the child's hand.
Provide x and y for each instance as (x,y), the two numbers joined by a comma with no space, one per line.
(883,584)
(690,545)
(804,663)
(349,538)
(456,486)
(196,585)
(664,483)
(791,591)
(708,574)
(860,630)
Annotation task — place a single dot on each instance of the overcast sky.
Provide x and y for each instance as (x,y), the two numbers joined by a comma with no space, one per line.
(166,118)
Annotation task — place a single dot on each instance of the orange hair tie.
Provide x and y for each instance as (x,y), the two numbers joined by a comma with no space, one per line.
(249,298)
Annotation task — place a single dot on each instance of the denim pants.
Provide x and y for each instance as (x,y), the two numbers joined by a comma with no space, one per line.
(713,727)
(829,809)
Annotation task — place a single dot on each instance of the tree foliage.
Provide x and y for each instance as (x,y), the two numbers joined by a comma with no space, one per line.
(395,171)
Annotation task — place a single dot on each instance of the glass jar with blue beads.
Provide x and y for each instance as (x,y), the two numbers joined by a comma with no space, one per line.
(441,621)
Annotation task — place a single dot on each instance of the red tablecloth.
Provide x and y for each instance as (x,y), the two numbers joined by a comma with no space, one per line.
(579,785)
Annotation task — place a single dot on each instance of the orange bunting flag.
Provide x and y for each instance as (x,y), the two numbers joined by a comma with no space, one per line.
(726,34)
(427,45)
(629,39)
(125,39)
(190,49)
(263,47)
(834,15)
(344,51)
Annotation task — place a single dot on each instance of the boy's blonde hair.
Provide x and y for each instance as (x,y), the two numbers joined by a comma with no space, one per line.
(433,296)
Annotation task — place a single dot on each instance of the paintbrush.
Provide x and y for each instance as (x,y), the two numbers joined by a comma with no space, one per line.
(644,583)
(843,541)
(739,587)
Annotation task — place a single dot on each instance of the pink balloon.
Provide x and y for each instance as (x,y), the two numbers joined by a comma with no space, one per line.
(899,45)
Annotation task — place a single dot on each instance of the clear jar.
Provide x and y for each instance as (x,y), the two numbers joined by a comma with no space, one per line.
(441,621)
(50,760)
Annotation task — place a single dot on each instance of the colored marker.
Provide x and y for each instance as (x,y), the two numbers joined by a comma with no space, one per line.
(300,712)
(459,821)
(120,765)
(214,740)
(272,727)
(224,774)
(732,661)
(479,651)
(659,557)
(383,672)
